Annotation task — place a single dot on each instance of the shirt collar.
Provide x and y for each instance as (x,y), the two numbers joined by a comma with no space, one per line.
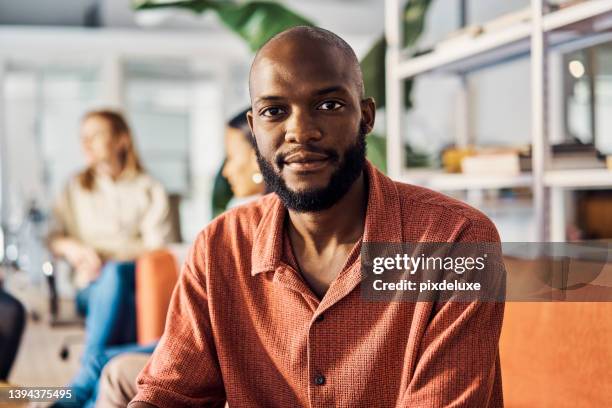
(383,222)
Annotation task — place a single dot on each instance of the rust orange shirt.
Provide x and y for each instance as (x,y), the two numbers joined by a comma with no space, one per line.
(245,328)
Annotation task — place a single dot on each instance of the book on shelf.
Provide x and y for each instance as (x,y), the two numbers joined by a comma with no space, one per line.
(568,156)
(573,156)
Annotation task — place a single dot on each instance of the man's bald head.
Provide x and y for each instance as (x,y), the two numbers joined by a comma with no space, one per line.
(314,39)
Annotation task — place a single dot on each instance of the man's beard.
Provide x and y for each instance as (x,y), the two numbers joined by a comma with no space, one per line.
(312,200)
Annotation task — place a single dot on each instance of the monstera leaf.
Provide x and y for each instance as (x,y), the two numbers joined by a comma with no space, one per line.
(254,21)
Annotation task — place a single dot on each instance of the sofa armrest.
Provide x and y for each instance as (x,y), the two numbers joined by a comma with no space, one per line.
(156,276)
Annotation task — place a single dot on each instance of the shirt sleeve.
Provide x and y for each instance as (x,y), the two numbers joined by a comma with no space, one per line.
(458,364)
(156,226)
(184,369)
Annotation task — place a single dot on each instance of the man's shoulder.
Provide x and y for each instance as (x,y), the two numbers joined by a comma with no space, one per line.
(239,222)
(445,212)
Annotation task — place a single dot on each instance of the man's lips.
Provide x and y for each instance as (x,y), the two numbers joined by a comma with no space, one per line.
(306,161)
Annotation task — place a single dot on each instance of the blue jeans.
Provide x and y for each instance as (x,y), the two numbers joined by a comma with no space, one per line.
(109,307)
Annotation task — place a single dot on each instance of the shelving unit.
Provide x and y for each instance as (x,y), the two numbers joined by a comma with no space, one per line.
(577,26)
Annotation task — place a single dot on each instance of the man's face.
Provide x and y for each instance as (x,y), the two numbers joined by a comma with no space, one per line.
(309,120)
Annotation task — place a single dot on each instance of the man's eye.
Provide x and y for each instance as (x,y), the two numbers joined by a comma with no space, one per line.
(271,112)
(330,105)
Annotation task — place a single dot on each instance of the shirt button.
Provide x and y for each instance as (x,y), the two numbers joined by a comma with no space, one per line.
(319,379)
(319,318)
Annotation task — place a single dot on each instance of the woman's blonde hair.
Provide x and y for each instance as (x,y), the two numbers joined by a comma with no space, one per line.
(128,158)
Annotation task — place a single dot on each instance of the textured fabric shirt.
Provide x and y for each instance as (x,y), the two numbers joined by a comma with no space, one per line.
(120,218)
(245,328)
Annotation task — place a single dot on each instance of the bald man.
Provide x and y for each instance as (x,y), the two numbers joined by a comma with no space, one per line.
(268,310)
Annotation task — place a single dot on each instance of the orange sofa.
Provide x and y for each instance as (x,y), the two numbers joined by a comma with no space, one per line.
(557,354)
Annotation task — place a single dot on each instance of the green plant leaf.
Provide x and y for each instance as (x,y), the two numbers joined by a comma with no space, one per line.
(414,20)
(221,194)
(255,21)
(373,70)
(376,153)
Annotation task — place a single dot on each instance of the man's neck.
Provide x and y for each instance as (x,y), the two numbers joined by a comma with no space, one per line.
(340,224)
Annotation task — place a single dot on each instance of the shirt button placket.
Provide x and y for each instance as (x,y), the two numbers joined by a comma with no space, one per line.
(318,380)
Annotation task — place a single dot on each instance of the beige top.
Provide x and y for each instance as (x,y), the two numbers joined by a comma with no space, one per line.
(120,218)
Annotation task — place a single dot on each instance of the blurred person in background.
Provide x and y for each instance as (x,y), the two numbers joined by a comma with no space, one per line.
(241,171)
(240,168)
(12,323)
(107,216)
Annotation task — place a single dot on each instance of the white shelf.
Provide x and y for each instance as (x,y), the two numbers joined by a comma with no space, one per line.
(465,55)
(508,43)
(587,178)
(439,180)
(576,14)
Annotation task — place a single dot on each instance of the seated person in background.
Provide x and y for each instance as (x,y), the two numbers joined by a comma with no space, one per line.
(107,216)
(12,323)
(268,310)
(240,169)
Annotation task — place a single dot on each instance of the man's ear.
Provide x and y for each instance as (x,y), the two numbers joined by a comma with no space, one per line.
(368,113)
(249,116)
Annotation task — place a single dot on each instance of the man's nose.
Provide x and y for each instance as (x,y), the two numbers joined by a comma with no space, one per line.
(302,128)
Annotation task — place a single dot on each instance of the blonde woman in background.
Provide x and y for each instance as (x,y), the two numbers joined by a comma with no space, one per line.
(106,217)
